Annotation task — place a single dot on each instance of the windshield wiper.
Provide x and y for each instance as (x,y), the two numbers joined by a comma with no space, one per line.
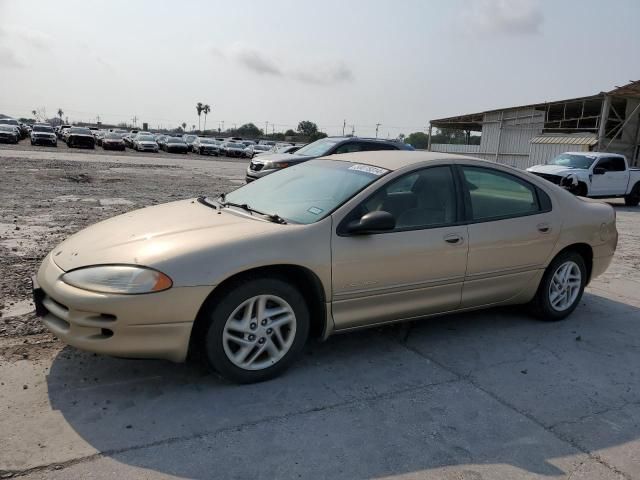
(272,217)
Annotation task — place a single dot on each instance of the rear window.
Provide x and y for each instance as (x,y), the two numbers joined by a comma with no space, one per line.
(495,194)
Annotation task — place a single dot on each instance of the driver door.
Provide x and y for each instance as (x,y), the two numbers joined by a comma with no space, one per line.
(417,268)
(613,181)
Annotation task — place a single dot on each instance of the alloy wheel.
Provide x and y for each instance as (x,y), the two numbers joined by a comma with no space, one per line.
(565,285)
(259,332)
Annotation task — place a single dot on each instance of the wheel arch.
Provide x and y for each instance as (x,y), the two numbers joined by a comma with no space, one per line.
(303,278)
(585,251)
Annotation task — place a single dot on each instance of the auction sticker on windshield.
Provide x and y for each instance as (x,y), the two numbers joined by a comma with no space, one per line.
(377,171)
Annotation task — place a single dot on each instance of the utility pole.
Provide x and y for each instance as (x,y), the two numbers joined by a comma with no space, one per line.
(266,128)
(134,120)
(222,124)
(353,130)
(377,127)
(344,125)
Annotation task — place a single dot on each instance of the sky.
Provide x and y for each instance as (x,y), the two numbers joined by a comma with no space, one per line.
(397,63)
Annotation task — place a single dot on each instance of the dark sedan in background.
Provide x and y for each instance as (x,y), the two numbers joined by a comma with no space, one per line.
(232,149)
(175,145)
(80,137)
(113,141)
(205,146)
(262,165)
(8,134)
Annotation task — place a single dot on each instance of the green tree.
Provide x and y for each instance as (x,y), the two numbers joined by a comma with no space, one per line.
(307,128)
(317,136)
(60,113)
(289,133)
(206,109)
(419,140)
(199,108)
(184,126)
(249,130)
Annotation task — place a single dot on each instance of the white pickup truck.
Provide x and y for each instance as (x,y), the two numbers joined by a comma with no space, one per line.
(593,175)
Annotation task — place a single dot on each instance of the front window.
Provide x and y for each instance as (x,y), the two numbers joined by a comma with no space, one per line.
(146,138)
(80,131)
(318,148)
(40,128)
(308,192)
(571,160)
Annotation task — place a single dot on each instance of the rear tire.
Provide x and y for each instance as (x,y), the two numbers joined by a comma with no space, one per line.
(243,323)
(561,287)
(633,199)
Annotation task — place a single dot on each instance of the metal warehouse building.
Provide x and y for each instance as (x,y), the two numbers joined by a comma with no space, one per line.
(533,134)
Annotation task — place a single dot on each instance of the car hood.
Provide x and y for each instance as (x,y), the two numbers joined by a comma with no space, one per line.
(157,236)
(280,157)
(553,169)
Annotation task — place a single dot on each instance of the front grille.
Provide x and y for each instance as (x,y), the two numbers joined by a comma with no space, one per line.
(555,179)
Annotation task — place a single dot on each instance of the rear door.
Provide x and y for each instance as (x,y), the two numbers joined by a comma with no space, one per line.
(512,232)
(614,180)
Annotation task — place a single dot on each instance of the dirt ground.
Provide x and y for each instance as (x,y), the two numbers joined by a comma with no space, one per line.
(44,201)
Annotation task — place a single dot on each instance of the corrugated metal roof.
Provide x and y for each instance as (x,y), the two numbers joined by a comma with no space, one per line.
(580,139)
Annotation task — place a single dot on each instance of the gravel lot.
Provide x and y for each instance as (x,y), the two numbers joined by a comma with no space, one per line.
(493,394)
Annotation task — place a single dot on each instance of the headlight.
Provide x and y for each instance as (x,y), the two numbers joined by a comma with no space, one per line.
(275,165)
(125,279)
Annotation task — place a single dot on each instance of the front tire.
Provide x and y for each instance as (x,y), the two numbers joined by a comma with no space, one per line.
(256,330)
(561,287)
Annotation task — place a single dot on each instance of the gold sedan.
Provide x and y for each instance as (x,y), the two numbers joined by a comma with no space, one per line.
(323,247)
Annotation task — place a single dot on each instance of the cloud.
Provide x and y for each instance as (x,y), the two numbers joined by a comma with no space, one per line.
(9,58)
(15,41)
(325,75)
(262,63)
(256,61)
(507,17)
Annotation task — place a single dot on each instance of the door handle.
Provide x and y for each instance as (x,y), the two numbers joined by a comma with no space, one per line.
(544,227)
(453,238)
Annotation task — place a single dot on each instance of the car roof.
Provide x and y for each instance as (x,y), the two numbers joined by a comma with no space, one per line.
(595,154)
(394,159)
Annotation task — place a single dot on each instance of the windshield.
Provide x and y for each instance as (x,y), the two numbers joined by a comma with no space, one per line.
(317,148)
(40,128)
(114,136)
(207,141)
(573,161)
(146,138)
(235,145)
(8,121)
(264,148)
(6,128)
(83,131)
(307,192)
(175,140)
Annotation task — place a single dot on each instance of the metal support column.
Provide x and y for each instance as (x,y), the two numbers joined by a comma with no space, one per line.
(604,116)
(429,137)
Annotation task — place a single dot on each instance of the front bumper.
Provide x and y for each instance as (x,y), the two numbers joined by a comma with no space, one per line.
(156,325)
(44,140)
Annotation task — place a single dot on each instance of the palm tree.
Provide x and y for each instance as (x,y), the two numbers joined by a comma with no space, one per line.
(184,126)
(60,113)
(206,109)
(199,108)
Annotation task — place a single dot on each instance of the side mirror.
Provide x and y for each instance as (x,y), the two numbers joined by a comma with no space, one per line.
(599,171)
(372,222)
